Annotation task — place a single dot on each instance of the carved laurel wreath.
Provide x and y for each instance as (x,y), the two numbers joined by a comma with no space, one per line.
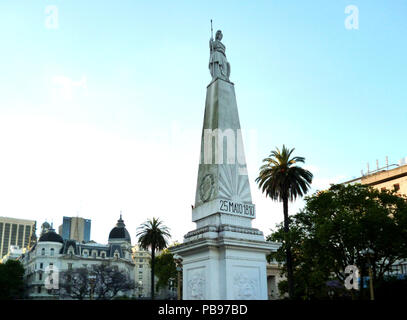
(206,187)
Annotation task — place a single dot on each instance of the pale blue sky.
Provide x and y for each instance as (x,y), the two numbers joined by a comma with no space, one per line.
(125,134)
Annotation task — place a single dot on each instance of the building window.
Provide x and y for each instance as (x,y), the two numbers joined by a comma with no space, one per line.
(43,251)
(40,276)
(69,266)
(140,266)
(20,235)
(39,289)
(141,260)
(396,187)
(85,253)
(140,271)
(41,265)
(103,254)
(94,254)
(395,268)
(52,251)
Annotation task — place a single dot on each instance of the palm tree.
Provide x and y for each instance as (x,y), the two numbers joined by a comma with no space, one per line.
(153,234)
(281,180)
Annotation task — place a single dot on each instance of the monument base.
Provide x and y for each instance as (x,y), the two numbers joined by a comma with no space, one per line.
(223,268)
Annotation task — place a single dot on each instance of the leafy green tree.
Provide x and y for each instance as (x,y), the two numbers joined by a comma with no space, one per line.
(280,179)
(153,235)
(12,285)
(336,229)
(165,268)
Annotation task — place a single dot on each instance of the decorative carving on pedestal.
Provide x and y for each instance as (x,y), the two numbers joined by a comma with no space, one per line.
(206,187)
(245,287)
(196,285)
(232,184)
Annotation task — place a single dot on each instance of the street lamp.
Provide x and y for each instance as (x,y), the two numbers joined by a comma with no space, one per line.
(369,253)
(171,287)
(140,288)
(178,263)
(92,280)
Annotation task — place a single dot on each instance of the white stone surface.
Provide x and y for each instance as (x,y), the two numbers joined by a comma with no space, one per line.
(215,269)
(222,153)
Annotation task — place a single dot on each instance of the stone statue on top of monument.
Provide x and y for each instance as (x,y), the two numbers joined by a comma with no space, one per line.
(218,64)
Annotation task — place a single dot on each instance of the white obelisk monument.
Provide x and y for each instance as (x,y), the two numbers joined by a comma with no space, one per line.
(224,257)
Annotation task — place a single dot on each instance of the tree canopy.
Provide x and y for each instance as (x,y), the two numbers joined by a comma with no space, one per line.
(12,283)
(102,282)
(336,229)
(165,269)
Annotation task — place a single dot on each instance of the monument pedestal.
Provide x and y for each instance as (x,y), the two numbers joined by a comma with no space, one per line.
(224,268)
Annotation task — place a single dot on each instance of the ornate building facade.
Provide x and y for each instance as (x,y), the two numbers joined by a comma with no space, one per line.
(142,272)
(53,254)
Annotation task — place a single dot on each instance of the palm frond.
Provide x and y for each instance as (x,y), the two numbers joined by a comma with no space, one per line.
(279,177)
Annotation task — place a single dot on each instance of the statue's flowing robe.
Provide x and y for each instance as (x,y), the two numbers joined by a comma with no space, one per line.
(218,56)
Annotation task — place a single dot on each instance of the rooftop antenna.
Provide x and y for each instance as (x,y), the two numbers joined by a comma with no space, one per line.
(377,164)
(211,30)
(387,162)
(368,168)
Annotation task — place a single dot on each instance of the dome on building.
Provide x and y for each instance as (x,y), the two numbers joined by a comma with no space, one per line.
(51,236)
(120,232)
(46,225)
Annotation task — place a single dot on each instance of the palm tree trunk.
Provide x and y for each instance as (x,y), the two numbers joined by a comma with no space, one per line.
(290,276)
(152,271)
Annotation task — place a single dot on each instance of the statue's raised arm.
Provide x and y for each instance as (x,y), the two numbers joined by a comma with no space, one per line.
(218,64)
